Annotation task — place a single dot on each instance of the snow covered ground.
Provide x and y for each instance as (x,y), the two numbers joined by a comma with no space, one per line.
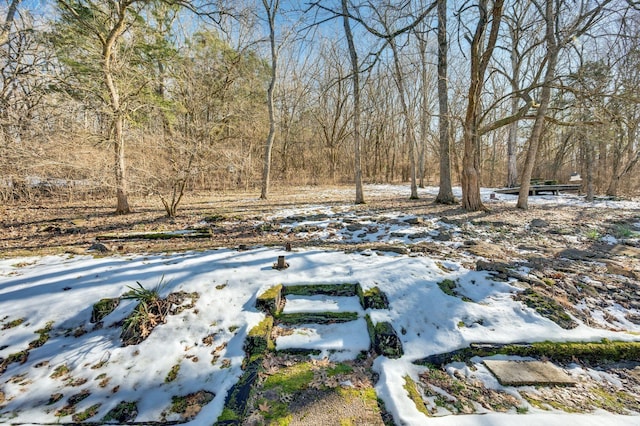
(62,290)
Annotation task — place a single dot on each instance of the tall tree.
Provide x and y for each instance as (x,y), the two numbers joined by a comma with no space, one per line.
(445,191)
(271,9)
(556,38)
(517,25)
(355,79)
(625,107)
(5,29)
(482,46)
(409,125)
(106,23)
(101,28)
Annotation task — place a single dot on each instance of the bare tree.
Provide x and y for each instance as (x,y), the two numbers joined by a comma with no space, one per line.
(5,29)
(271,9)
(556,38)
(355,79)
(104,24)
(480,55)
(107,25)
(445,192)
(520,43)
(625,107)
(409,125)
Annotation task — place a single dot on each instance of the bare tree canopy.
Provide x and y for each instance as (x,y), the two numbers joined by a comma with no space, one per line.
(135,98)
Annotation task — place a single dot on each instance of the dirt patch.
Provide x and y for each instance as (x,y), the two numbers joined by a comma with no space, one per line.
(299,391)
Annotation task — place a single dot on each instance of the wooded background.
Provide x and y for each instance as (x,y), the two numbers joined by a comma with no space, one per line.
(112,98)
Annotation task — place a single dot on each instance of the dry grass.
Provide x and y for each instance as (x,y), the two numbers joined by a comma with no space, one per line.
(53,227)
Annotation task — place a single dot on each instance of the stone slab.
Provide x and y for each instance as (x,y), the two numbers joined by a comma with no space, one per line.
(525,373)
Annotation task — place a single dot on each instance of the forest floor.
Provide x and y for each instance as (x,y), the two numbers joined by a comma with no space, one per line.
(583,257)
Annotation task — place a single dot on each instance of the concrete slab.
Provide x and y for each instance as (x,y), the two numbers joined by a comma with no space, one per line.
(524,373)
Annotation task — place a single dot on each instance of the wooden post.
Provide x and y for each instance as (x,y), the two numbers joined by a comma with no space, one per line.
(280,264)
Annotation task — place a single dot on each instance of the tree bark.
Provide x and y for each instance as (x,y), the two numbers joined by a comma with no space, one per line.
(512,142)
(355,78)
(545,97)
(480,56)
(108,47)
(271,9)
(409,129)
(445,192)
(6,26)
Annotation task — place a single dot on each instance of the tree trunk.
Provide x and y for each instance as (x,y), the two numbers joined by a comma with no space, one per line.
(545,97)
(617,174)
(445,192)
(409,130)
(271,10)
(117,115)
(480,56)
(589,159)
(512,152)
(122,206)
(355,70)
(6,26)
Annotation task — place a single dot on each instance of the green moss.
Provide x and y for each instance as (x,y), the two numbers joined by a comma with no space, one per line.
(371,329)
(43,336)
(588,352)
(340,368)
(547,307)
(124,412)
(103,308)
(20,357)
(172,374)
(366,395)
(259,338)
(317,317)
(86,414)
(372,298)
(13,324)
(414,395)
(617,401)
(190,405)
(277,414)
(270,301)
(291,379)
(55,398)
(386,341)
(447,286)
(228,415)
(541,405)
(595,352)
(346,289)
(60,371)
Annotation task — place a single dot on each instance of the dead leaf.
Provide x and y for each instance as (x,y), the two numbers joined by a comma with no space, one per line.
(264,407)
